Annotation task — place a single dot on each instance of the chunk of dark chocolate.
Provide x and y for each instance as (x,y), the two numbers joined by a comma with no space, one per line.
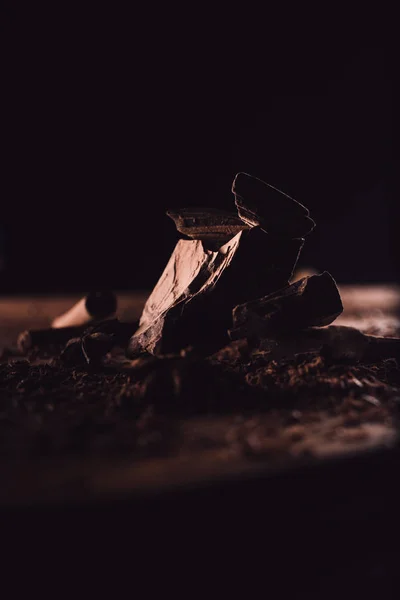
(101,339)
(59,336)
(337,343)
(214,227)
(43,338)
(259,203)
(73,354)
(121,330)
(97,345)
(353,345)
(192,303)
(309,302)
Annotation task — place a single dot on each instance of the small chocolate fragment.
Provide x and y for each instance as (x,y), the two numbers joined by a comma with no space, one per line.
(43,338)
(101,339)
(337,343)
(97,345)
(214,227)
(121,330)
(344,344)
(73,354)
(309,302)
(93,307)
(259,203)
(192,303)
(350,343)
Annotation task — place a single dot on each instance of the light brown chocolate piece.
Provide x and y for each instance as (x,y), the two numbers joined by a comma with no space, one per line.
(214,227)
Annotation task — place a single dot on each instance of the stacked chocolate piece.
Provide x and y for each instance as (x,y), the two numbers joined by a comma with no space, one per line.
(235,262)
(226,280)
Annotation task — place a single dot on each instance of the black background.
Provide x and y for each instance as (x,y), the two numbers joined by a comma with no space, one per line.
(110,118)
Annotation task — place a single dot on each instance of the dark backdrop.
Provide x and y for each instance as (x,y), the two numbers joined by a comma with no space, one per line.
(110,119)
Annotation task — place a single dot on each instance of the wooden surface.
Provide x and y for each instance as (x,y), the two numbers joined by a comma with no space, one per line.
(372,308)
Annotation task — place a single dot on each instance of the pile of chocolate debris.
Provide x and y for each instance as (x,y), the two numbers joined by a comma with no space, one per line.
(223,333)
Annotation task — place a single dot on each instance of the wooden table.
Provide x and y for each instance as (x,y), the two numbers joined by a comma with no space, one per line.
(371,308)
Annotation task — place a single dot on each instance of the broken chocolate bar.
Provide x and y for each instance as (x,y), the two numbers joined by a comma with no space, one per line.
(309,302)
(117,333)
(337,343)
(352,344)
(93,307)
(42,338)
(192,302)
(259,203)
(214,227)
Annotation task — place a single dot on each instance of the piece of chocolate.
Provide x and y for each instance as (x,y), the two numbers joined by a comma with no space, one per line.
(97,345)
(350,343)
(102,338)
(259,203)
(337,343)
(192,303)
(214,227)
(43,338)
(121,330)
(93,307)
(309,302)
(73,354)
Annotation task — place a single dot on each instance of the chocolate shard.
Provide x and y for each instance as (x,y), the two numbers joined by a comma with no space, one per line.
(93,307)
(59,336)
(309,302)
(73,354)
(97,345)
(351,344)
(214,227)
(100,340)
(261,204)
(337,343)
(192,303)
(44,338)
(120,330)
